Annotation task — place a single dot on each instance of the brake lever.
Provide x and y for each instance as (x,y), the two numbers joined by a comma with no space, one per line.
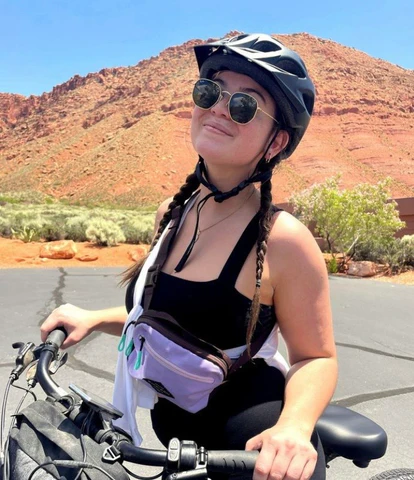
(25,357)
(59,362)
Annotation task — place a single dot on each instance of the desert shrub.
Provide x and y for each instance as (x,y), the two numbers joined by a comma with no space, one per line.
(139,229)
(59,221)
(25,224)
(25,197)
(75,227)
(104,232)
(397,254)
(5,223)
(332,265)
(53,230)
(349,219)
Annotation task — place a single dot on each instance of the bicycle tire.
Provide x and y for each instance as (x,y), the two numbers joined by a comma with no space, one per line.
(397,474)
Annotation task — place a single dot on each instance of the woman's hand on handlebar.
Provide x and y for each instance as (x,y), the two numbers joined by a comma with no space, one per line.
(78,323)
(284,453)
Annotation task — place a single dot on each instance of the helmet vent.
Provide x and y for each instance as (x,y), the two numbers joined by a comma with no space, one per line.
(291,67)
(309,101)
(266,47)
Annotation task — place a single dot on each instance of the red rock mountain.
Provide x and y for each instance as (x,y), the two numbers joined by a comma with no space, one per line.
(122,134)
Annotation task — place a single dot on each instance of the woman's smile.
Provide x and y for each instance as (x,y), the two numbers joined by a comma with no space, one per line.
(217,128)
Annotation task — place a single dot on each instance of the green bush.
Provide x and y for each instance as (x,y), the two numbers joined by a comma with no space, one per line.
(5,224)
(349,220)
(27,234)
(397,254)
(25,197)
(75,227)
(104,232)
(26,224)
(58,222)
(139,230)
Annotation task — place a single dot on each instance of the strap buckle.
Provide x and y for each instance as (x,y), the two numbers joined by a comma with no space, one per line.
(111,454)
(152,276)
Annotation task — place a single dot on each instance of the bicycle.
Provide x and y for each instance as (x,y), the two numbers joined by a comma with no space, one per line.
(343,432)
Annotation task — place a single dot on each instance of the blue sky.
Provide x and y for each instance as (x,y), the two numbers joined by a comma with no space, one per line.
(44,43)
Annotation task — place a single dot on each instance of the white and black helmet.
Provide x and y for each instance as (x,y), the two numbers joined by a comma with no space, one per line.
(275,67)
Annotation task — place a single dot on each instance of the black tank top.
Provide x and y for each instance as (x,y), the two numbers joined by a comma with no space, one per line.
(214,310)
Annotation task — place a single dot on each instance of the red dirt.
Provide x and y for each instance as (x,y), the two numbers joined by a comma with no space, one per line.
(17,254)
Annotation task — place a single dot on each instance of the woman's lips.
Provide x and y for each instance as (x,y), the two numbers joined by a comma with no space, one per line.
(218,129)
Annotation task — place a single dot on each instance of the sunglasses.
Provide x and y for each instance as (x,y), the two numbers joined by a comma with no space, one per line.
(242,107)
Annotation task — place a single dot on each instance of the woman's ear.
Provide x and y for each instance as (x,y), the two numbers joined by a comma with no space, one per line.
(278,144)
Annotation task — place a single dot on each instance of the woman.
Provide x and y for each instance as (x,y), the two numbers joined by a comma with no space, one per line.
(238,267)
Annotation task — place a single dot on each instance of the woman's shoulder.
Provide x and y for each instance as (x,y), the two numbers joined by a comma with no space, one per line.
(291,244)
(162,209)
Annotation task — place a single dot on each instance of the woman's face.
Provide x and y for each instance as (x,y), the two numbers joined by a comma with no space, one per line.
(219,140)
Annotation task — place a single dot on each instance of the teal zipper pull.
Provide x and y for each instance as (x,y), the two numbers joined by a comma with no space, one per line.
(138,362)
(121,344)
(130,347)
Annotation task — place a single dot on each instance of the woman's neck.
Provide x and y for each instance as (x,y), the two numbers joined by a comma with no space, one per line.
(249,195)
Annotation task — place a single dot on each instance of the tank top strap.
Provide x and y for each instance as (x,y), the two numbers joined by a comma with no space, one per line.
(243,247)
(238,256)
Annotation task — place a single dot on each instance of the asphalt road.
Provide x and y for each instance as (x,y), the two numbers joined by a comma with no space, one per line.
(374,328)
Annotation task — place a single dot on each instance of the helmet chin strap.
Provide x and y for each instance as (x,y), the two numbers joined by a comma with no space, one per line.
(219,196)
(256,176)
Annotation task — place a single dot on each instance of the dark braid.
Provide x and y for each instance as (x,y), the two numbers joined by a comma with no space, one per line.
(191,184)
(265,220)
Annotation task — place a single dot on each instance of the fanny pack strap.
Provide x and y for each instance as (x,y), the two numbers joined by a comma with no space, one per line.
(153,271)
(255,346)
(152,277)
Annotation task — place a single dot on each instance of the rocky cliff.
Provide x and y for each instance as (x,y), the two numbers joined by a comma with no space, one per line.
(122,134)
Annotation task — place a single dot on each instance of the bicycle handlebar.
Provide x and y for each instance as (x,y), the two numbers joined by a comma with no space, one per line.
(48,354)
(183,457)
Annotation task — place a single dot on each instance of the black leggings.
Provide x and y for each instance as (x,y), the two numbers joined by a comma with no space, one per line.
(239,409)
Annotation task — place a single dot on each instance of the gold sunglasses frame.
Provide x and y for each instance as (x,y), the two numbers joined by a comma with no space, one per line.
(228,103)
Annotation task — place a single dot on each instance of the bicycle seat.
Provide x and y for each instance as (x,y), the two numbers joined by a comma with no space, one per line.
(349,434)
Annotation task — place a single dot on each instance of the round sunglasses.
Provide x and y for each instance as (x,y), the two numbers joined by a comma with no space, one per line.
(242,106)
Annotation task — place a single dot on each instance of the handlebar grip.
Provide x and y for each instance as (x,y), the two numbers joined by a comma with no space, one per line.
(231,461)
(57,336)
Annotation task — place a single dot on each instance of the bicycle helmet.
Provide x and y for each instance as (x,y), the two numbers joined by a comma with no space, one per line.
(275,67)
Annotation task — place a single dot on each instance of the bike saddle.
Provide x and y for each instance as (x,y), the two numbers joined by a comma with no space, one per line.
(349,434)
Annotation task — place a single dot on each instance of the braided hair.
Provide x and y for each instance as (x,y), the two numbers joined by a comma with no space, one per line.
(265,221)
(186,190)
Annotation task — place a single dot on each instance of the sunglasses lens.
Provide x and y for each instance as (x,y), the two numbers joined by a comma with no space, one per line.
(205,93)
(242,108)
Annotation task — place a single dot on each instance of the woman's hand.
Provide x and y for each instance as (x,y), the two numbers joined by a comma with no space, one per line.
(285,454)
(78,323)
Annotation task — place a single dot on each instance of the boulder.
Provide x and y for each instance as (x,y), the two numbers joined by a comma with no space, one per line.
(62,249)
(87,258)
(362,269)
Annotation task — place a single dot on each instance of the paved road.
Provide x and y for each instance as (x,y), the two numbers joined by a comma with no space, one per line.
(374,326)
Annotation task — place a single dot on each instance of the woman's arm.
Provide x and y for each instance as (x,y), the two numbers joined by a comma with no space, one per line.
(80,323)
(304,314)
(301,298)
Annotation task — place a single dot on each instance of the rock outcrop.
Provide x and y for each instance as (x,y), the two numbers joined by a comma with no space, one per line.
(118,135)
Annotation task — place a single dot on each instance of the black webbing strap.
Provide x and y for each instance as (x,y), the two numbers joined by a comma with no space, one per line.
(155,268)
(245,356)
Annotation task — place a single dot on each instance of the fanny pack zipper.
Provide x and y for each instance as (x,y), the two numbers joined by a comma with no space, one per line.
(174,368)
(220,362)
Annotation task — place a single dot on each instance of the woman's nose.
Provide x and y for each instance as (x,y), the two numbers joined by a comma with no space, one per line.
(221,107)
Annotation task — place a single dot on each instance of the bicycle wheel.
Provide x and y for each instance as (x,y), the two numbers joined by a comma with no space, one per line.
(398,474)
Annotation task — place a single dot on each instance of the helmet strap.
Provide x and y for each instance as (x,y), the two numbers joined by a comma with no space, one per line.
(193,240)
(219,196)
